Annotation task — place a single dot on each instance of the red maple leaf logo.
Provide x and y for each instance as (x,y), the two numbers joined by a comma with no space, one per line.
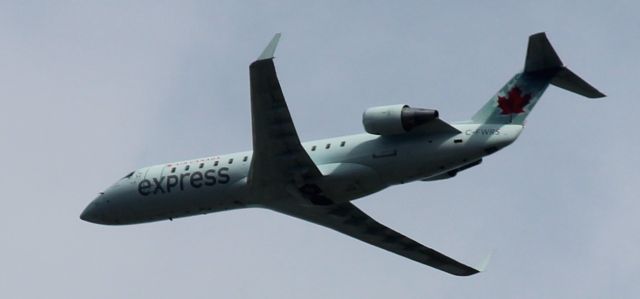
(514,101)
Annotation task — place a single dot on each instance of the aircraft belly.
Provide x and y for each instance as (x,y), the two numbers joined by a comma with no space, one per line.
(376,164)
(188,202)
(419,160)
(342,182)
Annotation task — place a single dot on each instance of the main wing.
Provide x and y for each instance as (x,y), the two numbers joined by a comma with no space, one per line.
(348,219)
(279,162)
(278,157)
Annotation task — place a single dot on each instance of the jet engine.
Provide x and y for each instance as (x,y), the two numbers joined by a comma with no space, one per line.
(395,119)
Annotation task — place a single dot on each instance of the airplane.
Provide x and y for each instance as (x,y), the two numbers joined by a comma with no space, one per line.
(317,181)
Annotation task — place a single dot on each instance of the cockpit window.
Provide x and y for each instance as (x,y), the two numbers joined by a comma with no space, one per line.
(128,175)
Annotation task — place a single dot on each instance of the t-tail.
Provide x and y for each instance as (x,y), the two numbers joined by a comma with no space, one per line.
(516,99)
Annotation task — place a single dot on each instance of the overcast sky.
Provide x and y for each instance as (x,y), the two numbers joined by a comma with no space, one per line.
(91,91)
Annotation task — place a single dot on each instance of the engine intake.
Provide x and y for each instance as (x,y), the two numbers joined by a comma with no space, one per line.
(395,119)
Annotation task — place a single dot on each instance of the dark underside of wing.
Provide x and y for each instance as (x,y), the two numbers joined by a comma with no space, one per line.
(280,162)
(278,157)
(348,219)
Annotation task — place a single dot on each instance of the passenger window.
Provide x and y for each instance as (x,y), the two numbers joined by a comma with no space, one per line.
(328,146)
(173,170)
(245,159)
(201,165)
(313,148)
(230,160)
(342,144)
(215,163)
(457,141)
(186,168)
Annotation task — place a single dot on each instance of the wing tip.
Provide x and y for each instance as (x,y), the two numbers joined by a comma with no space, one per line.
(268,52)
(477,269)
(485,262)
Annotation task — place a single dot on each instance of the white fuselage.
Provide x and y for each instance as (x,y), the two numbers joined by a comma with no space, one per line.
(352,166)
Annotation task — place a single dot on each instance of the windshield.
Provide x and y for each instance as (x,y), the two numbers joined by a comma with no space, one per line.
(128,175)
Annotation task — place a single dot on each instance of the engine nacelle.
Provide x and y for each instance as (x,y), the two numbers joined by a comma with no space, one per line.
(395,119)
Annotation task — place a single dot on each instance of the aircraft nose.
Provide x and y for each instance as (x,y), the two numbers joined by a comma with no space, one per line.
(92,213)
(100,211)
(109,208)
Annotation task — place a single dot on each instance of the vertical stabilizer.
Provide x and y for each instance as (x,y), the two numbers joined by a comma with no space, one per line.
(540,55)
(515,100)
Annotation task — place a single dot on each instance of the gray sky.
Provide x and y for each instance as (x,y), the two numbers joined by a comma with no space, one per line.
(91,91)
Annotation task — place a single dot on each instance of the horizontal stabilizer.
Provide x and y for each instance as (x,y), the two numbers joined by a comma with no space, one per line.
(543,59)
(568,80)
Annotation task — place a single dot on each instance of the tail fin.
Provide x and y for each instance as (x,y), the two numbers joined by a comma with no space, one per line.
(517,98)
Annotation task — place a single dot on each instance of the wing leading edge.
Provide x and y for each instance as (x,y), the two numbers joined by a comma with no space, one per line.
(279,162)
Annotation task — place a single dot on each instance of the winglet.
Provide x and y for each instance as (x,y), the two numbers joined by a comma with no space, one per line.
(268,52)
(483,265)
